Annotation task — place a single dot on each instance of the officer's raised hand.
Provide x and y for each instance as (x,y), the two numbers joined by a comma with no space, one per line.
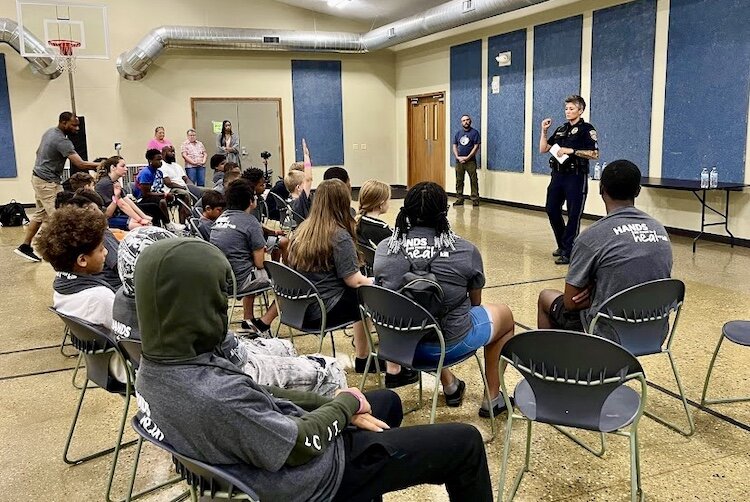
(546,123)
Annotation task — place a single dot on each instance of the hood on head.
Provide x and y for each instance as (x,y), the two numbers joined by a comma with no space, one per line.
(130,248)
(181,299)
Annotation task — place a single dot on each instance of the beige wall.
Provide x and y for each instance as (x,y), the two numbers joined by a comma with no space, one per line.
(426,68)
(118,110)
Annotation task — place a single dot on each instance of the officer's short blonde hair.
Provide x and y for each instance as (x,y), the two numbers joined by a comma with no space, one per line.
(576,100)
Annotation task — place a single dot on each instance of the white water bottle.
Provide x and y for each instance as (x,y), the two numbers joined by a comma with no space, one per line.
(704,178)
(713,178)
(597,172)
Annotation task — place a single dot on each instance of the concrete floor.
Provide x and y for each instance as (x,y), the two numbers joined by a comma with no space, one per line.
(36,409)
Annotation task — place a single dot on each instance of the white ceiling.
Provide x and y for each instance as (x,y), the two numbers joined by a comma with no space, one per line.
(376,12)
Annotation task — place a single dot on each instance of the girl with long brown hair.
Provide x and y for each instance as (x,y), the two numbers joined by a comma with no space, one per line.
(323,250)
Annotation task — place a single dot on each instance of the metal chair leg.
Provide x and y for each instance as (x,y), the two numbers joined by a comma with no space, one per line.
(66,334)
(636,490)
(599,453)
(118,444)
(691,425)
(506,451)
(705,401)
(133,496)
(75,373)
(489,400)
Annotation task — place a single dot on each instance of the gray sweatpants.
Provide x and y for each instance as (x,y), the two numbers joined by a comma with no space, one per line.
(271,361)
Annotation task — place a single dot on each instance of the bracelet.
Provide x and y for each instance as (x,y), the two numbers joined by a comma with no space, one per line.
(359,397)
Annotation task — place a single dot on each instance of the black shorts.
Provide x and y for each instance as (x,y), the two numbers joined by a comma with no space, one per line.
(345,311)
(562,318)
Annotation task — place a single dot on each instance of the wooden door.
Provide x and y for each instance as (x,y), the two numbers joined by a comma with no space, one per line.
(426,138)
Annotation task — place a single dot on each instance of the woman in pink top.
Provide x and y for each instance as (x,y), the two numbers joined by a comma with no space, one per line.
(194,154)
(158,141)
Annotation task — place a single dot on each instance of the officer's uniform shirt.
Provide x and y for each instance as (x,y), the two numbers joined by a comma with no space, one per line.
(579,136)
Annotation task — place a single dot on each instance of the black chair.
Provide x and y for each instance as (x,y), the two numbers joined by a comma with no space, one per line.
(294,295)
(638,318)
(97,347)
(737,332)
(286,213)
(401,324)
(193,225)
(205,480)
(240,295)
(368,253)
(573,380)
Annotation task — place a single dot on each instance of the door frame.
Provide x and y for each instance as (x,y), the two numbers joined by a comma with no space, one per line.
(408,131)
(194,100)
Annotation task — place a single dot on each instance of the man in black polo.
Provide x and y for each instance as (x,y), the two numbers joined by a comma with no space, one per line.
(577,144)
(54,149)
(465,147)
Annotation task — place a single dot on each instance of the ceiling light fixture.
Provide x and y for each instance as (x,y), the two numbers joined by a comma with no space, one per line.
(338,3)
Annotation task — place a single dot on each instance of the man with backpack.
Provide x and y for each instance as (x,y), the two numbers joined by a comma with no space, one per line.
(54,149)
(427,262)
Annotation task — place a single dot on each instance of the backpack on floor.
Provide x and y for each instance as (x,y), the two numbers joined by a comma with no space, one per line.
(13,215)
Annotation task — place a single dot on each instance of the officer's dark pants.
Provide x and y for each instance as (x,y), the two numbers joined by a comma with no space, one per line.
(381,462)
(470,166)
(572,189)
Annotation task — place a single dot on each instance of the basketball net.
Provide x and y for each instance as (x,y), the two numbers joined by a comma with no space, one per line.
(66,61)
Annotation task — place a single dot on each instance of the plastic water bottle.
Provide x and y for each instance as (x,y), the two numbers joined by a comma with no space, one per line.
(604,165)
(704,178)
(713,178)
(597,172)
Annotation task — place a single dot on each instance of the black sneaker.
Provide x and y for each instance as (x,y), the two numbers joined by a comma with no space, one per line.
(403,377)
(475,203)
(361,362)
(459,202)
(496,410)
(562,260)
(454,400)
(557,252)
(26,251)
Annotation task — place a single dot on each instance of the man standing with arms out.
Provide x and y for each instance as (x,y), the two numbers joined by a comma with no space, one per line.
(625,248)
(46,178)
(577,144)
(465,147)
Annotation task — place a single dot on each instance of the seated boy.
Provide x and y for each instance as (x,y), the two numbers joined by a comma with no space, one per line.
(276,244)
(81,180)
(73,243)
(279,189)
(269,361)
(213,206)
(150,186)
(240,237)
(625,248)
(287,445)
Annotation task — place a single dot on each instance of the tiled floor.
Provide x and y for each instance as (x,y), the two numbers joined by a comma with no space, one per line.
(35,410)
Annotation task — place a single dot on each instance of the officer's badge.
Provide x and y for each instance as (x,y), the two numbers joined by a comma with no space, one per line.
(593,134)
(574,130)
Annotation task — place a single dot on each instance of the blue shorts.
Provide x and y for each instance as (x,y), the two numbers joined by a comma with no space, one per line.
(477,337)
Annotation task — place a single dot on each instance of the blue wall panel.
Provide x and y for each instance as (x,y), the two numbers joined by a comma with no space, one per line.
(506,110)
(466,89)
(622,72)
(557,74)
(7,149)
(708,77)
(318,116)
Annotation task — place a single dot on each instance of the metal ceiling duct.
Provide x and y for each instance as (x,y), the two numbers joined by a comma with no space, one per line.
(134,64)
(44,66)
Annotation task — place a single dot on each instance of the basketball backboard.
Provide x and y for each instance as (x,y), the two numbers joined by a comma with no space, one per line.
(49,20)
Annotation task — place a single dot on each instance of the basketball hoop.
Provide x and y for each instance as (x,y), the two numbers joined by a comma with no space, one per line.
(66,61)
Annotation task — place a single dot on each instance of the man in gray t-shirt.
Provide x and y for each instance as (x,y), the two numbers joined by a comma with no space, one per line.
(54,149)
(625,248)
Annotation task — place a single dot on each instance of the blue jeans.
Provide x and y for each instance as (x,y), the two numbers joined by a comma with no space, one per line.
(477,337)
(197,175)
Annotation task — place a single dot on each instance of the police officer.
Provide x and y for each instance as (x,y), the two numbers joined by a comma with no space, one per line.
(576,139)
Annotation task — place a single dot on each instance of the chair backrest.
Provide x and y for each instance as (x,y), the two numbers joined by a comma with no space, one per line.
(195,230)
(571,374)
(400,322)
(206,478)
(294,293)
(368,253)
(98,347)
(131,349)
(638,317)
(285,212)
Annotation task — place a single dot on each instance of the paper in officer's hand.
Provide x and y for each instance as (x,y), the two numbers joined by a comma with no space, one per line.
(559,157)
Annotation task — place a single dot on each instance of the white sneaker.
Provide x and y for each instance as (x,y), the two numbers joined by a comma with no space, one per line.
(175,227)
